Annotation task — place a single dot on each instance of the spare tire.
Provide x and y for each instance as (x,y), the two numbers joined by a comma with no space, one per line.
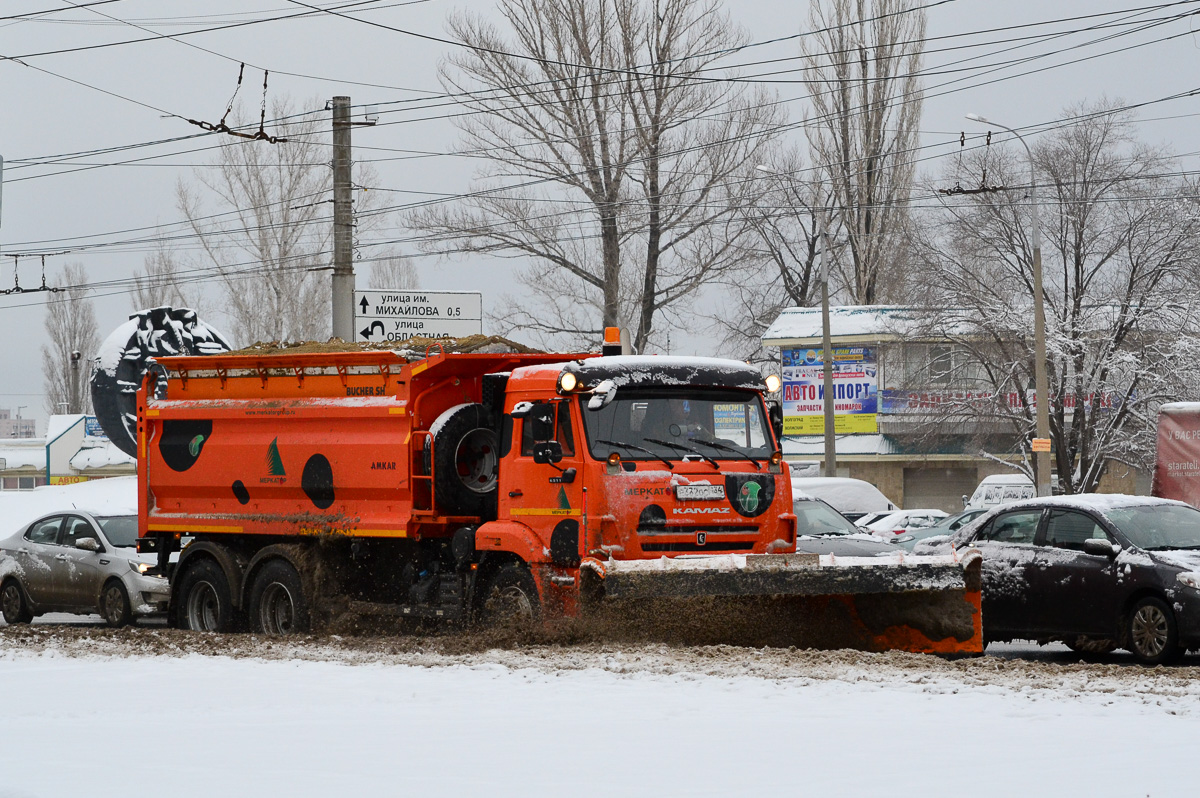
(466,463)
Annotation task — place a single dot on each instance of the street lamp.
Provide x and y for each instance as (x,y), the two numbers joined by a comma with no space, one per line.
(826,347)
(1042,455)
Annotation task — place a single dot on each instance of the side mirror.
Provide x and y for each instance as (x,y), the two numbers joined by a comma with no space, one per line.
(602,394)
(88,544)
(1102,548)
(547,452)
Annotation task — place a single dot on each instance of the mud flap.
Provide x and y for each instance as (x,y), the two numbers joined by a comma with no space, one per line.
(909,603)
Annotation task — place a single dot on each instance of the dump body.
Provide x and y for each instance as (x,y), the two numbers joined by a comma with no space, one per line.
(420,488)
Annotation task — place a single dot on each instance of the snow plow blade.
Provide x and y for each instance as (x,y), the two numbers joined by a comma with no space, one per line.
(927,604)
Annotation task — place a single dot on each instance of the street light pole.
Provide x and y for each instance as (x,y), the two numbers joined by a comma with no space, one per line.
(826,346)
(1041,388)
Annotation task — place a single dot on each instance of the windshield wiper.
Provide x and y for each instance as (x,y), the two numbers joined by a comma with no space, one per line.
(654,454)
(680,447)
(1172,548)
(733,449)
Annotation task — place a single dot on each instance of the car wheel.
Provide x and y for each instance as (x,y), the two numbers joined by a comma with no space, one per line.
(114,605)
(205,604)
(511,598)
(1151,633)
(14,604)
(277,602)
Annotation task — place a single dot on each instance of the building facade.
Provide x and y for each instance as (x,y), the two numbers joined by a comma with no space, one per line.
(75,449)
(896,394)
(16,427)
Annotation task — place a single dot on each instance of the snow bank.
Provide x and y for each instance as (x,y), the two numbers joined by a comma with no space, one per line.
(113,496)
(304,728)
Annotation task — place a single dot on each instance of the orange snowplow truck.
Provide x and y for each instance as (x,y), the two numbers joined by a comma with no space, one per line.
(443,487)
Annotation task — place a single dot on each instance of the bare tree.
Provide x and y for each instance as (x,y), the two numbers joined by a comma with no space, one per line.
(612,157)
(269,242)
(159,283)
(1122,310)
(780,255)
(71,328)
(866,107)
(393,272)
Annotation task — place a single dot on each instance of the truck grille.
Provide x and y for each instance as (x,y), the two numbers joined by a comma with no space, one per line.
(658,538)
(713,545)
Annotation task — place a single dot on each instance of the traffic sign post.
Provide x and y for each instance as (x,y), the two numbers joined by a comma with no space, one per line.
(395,315)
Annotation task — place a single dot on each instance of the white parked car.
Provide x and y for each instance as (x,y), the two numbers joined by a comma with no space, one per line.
(902,521)
(851,497)
(1000,489)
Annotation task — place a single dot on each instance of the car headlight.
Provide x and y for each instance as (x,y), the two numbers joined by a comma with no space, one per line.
(139,567)
(1189,579)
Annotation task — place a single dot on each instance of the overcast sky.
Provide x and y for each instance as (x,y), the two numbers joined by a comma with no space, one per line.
(135,87)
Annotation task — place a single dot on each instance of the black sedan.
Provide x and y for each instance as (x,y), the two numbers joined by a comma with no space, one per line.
(1096,572)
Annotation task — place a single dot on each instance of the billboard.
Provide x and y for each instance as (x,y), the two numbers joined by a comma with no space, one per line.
(855,390)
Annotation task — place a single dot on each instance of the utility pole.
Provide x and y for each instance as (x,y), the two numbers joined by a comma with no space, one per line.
(76,399)
(343,224)
(827,349)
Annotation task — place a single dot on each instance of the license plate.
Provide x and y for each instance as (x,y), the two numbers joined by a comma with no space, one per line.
(699,492)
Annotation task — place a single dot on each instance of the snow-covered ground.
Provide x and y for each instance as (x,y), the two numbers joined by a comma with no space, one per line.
(92,712)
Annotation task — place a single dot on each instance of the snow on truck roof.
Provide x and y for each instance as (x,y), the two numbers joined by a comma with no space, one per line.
(652,370)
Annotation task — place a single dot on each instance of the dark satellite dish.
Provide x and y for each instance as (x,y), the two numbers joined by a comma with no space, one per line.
(125,357)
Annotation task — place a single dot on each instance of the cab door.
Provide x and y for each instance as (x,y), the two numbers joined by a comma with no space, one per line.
(546,497)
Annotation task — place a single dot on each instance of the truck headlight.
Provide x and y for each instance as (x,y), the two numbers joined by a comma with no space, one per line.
(773,383)
(567,382)
(1189,579)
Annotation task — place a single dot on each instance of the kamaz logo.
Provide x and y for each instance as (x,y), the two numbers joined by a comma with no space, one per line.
(698,511)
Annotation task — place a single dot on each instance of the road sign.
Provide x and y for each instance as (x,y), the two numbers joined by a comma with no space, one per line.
(394,315)
(1040,445)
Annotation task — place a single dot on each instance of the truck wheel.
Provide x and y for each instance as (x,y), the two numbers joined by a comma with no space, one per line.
(511,597)
(466,460)
(14,604)
(277,602)
(205,603)
(114,605)
(1152,635)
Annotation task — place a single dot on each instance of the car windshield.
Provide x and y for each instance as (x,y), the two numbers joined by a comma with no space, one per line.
(1159,527)
(673,423)
(121,530)
(817,518)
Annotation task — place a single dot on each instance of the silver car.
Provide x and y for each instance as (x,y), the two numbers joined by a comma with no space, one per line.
(79,563)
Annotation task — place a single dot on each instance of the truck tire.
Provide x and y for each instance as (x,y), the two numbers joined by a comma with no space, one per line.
(510,598)
(466,460)
(205,603)
(278,605)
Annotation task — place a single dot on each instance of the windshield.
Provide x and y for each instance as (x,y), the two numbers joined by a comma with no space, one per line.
(817,518)
(1158,527)
(672,423)
(121,530)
